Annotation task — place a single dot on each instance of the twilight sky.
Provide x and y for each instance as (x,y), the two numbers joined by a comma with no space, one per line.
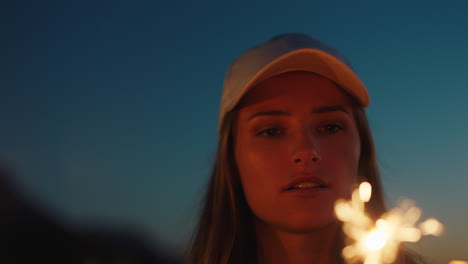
(109,108)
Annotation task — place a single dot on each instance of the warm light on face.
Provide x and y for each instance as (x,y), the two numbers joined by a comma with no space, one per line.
(284,134)
(377,243)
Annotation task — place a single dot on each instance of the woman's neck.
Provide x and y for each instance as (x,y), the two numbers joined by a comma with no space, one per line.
(275,246)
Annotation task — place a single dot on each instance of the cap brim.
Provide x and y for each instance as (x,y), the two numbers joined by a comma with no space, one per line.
(316,61)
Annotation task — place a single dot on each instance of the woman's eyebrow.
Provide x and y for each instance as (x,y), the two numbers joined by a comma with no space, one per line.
(269,113)
(327,109)
(318,110)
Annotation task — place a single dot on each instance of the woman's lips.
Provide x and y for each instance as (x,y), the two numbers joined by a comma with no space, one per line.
(305,183)
(306,186)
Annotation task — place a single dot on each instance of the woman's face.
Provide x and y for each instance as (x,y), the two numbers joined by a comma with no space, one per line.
(297,149)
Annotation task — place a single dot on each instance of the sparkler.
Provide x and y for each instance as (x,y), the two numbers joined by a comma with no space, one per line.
(377,243)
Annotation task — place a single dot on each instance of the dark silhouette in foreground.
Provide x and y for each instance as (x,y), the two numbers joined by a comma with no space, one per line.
(30,234)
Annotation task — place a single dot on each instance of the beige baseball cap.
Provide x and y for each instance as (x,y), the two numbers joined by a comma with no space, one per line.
(285,53)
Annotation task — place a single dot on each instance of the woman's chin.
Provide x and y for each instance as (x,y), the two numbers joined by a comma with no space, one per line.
(305,225)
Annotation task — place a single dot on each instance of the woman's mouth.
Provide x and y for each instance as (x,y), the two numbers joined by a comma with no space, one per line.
(305,182)
(306,185)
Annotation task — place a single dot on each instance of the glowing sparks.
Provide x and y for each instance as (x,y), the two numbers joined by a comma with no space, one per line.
(377,243)
(365,191)
(431,227)
(376,240)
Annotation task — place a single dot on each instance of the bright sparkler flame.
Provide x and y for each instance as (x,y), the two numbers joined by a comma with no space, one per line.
(375,240)
(377,243)
(365,191)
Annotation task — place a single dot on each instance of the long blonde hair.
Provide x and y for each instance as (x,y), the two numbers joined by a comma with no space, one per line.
(225,233)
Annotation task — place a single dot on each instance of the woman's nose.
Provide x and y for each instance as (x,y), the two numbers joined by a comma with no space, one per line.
(304,157)
(305,152)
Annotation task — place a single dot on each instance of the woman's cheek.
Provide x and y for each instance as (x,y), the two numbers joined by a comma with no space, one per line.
(261,160)
(261,157)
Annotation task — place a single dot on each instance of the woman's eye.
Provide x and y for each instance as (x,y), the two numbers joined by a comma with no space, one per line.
(270,132)
(330,128)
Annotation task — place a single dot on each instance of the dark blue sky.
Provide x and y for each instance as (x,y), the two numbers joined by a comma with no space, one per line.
(109,108)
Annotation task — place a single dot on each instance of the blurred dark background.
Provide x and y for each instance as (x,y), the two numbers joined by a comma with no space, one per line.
(31,233)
